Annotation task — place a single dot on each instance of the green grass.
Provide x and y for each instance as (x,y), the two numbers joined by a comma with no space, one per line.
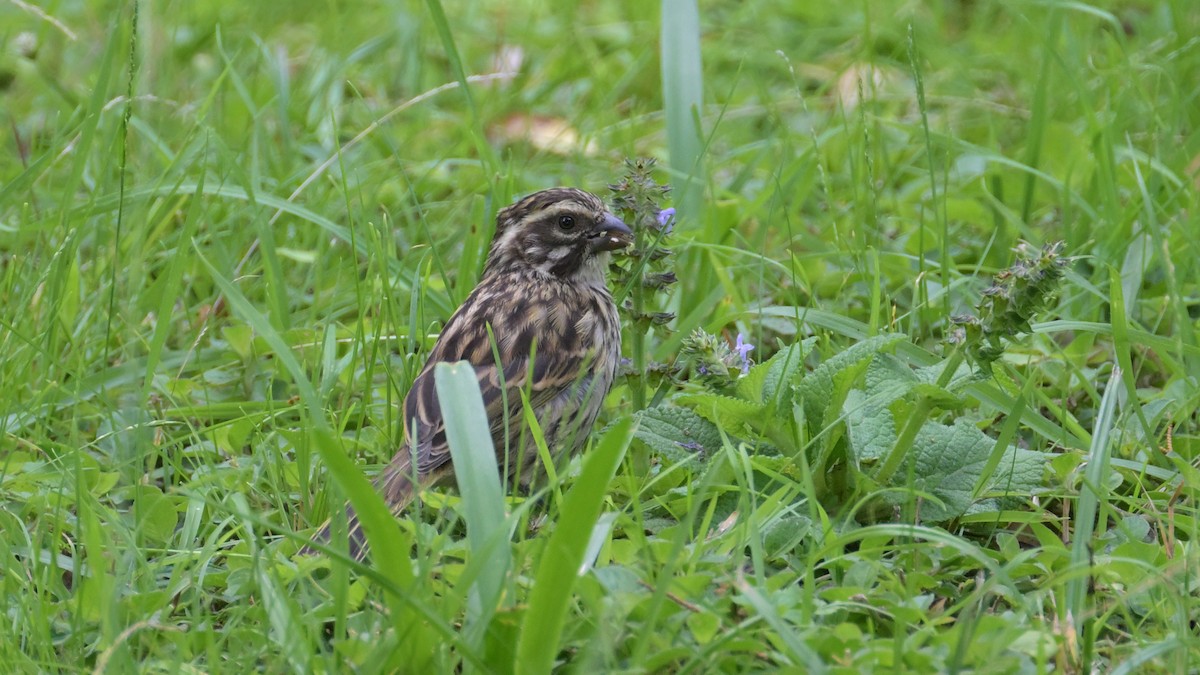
(214,294)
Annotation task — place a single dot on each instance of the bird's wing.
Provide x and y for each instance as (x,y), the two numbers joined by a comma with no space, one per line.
(529,326)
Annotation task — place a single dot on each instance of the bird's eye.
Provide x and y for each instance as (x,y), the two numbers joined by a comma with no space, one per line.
(566,222)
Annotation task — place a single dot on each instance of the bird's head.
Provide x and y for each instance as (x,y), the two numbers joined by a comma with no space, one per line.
(562,232)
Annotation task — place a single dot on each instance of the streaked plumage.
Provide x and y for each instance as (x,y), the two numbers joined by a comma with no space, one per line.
(544,296)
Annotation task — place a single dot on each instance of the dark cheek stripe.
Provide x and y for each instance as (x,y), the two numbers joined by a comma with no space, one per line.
(570,262)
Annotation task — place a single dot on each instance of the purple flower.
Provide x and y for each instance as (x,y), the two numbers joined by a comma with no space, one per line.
(666,220)
(743,348)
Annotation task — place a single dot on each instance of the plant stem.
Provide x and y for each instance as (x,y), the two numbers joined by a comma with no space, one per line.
(638,348)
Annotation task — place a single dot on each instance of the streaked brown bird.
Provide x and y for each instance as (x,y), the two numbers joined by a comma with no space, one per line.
(556,331)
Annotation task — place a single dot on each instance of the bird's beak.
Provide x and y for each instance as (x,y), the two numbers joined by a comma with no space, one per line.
(611,234)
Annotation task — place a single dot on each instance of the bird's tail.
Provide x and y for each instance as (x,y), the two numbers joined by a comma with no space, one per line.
(395,484)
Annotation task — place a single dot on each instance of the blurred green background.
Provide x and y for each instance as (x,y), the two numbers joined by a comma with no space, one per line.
(871,163)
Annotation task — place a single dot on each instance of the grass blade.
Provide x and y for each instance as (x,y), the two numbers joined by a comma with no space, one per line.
(683,94)
(388,545)
(561,560)
(479,484)
(460,74)
(1092,497)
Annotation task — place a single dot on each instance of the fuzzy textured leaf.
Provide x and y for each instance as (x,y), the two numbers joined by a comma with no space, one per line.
(817,389)
(870,426)
(729,413)
(764,381)
(678,434)
(949,460)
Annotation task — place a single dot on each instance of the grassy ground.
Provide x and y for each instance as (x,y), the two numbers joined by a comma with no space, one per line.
(213,294)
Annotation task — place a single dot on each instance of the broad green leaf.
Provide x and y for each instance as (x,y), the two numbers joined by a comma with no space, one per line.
(870,426)
(771,381)
(750,385)
(870,423)
(766,458)
(939,396)
(704,626)
(678,434)
(240,339)
(726,411)
(817,389)
(155,514)
(783,534)
(950,459)
(890,377)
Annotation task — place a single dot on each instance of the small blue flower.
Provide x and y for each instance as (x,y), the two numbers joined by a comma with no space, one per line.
(743,348)
(666,220)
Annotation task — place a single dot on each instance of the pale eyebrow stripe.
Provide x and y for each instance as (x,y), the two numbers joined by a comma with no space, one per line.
(560,207)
